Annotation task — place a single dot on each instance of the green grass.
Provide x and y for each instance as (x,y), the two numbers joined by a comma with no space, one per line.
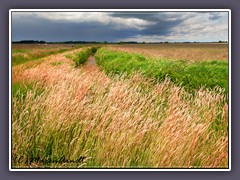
(20,51)
(191,75)
(20,90)
(56,63)
(20,56)
(81,57)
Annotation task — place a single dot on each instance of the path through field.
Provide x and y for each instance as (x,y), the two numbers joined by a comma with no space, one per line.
(53,68)
(113,121)
(90,65)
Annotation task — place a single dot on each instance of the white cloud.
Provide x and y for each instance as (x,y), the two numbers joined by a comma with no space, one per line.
(200,27)
(195,27)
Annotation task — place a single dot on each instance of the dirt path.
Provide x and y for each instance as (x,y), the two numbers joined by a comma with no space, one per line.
(90,65)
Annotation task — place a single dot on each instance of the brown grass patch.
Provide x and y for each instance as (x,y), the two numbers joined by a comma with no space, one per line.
(190,52)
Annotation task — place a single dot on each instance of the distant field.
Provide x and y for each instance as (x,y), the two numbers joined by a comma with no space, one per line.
(22,53)
(150,106)
(179,51)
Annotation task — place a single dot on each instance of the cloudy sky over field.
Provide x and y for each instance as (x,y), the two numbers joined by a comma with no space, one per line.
(120,26)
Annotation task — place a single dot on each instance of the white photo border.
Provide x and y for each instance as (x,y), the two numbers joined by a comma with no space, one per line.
(120,10)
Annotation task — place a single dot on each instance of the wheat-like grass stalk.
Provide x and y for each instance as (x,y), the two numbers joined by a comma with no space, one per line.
(115,122)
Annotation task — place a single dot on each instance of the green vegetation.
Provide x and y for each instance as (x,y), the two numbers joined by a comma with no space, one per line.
(21,56)
(191,75)
(81,57)
(135,117)
(56,63)
(14,51)
(20,90)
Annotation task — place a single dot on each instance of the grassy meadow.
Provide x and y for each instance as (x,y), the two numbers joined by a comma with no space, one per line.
(178,51)
(190,75)
(142,106)
(22,53)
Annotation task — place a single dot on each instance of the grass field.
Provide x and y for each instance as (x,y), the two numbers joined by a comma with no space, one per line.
(135,109)
(22,53)
(179,51)
(191,75)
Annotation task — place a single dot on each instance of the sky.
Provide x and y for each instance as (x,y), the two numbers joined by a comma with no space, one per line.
(120,26)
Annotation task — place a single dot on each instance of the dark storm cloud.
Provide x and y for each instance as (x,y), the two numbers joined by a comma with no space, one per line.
(42,29)
(162,22)
(161,28)
(150,16)
(139,15)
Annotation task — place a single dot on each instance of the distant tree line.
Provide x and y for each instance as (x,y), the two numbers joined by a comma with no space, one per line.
(222,41)
(29,42)
(104,42)
(73,42)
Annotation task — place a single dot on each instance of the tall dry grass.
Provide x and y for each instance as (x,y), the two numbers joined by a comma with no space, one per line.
(85,119)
